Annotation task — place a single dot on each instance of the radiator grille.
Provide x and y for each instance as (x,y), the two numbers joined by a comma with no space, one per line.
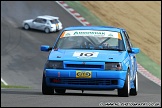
(84,81)
(83,66)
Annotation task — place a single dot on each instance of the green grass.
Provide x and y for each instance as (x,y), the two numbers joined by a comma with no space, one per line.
(12,86)
(142,59)
(149,64)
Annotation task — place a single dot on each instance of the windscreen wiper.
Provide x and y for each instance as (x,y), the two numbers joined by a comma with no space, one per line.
(109,49)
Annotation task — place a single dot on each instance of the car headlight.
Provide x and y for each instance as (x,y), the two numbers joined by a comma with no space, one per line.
(54,64)
(113,66)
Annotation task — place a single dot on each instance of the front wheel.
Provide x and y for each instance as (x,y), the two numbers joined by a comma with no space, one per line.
(133,91)
(46,90)
(26,26)
(125,91)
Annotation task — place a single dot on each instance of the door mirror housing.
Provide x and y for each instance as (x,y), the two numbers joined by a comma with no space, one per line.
(135,50)
(45,48)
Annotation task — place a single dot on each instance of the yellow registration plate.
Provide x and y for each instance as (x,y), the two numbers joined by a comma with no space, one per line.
(83,74)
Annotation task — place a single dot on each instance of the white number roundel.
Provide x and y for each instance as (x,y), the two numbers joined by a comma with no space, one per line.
(85,54)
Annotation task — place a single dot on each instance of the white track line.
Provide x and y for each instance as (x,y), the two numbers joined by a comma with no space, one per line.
(68,10)
(4,82)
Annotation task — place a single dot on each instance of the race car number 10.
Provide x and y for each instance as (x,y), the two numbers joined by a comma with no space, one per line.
(85,54)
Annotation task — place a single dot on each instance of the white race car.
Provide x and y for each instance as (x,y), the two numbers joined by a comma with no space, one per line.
(46,23)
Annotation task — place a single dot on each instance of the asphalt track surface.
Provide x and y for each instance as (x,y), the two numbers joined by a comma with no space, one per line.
(22,62)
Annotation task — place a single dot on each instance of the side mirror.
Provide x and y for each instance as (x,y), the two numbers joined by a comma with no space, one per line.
(45,48)
(135,50)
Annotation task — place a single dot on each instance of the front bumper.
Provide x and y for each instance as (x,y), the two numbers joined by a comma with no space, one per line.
(100,80)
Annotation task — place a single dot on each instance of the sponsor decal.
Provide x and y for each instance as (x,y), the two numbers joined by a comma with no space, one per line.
(127,59)
(67,34)
(83,74)
(91,33)
(110,35)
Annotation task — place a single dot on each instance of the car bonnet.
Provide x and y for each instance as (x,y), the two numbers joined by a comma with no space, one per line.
(87,55)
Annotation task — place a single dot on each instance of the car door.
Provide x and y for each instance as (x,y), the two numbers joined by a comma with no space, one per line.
(35,23)
(39,24)
(42,24)
(131,56)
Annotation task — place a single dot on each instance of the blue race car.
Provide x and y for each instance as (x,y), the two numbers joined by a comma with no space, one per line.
(91,58)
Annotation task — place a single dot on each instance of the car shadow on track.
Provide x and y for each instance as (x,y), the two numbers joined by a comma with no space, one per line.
(37,92)
(87,94)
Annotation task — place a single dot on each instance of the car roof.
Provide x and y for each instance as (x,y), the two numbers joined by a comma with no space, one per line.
(48,17)
(109,28)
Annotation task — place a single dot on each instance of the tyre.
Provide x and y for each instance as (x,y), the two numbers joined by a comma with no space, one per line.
(60,91)
(46,30)
(46,90)
(125,91)
(133,91)
(26,26)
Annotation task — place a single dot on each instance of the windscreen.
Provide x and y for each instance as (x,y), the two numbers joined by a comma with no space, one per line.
(90,39)
(54,21)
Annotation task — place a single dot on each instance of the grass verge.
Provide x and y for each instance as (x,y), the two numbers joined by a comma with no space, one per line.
(142,59)
(11,86)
